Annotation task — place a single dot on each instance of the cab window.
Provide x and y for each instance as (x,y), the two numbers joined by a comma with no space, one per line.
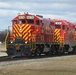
(22,21)
(63,27)
(15,21)
(57,26)
(30,21)
(37,22)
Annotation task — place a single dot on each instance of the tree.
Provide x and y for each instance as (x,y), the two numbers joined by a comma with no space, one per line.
(2,36)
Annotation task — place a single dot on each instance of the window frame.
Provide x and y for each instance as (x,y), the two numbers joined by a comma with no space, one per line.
(56,26)
(37,22)
(30,21)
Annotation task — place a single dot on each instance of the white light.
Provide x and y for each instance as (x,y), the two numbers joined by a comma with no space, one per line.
(26,42)
(11,41)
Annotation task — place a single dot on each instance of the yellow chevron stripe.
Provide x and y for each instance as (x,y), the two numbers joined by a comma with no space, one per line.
(25,35)
(58,32)
(57,35)
(16,31)
(26,30)
(25,27)
(16,35)
(28,33)
(17,28)
(28,38)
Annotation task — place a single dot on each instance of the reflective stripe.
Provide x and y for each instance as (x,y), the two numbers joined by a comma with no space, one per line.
(57,35)
(23,31)
(75,36)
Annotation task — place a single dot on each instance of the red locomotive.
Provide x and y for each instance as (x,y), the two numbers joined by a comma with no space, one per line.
(64,36)
(30,35)
(35,35)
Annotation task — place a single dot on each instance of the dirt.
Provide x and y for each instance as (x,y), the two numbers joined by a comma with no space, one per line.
(56,67)
(2,47)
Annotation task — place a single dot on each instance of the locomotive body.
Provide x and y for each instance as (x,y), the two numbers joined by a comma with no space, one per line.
(30,35)
(64,37)
(35,35)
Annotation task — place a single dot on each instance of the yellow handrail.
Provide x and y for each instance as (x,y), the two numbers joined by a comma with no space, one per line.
(6,38)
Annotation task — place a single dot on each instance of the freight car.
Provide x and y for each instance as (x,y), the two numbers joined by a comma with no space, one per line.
(36,35)
(31,35)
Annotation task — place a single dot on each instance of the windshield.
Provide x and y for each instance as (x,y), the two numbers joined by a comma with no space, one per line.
(57,26)
(22,21)
(15,21)
(30,21)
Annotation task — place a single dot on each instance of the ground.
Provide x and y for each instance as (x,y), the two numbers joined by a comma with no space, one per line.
(52,67)
(57,66)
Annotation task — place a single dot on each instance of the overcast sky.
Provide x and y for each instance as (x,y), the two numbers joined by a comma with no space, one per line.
(55,9)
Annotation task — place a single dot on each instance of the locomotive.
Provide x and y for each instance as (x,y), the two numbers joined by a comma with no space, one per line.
(36,35)
(31,35)
(64,36)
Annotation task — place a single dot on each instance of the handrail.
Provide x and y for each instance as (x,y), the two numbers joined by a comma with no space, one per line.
(6,38)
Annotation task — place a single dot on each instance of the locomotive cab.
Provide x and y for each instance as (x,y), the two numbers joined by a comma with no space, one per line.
(25,35)
(59,36)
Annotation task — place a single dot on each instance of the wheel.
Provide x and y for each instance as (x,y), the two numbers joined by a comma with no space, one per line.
(10,51)
(25,51)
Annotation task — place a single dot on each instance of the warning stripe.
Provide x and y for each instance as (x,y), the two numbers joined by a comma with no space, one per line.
(57,35)
(24,27)
(75,36)
(27,28)
(16,28)
(27,35)
(23,31)
(16,31)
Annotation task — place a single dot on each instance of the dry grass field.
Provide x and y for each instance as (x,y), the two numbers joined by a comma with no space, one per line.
(2,47)
(53,67)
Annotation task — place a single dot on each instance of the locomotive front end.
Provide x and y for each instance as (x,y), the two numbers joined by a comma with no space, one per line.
(20,44)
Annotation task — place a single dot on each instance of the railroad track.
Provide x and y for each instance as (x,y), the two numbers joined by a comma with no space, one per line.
(12,58)
(7,58)
(16,61)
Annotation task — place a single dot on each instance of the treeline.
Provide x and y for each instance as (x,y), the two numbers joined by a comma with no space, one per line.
(2,36)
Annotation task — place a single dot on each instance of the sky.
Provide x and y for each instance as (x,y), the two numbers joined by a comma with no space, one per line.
(54,9)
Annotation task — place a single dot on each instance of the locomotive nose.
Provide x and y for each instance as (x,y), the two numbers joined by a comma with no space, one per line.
(19,40)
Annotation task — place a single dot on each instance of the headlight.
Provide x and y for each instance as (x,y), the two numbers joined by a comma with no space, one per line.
(11,42)
(26,42)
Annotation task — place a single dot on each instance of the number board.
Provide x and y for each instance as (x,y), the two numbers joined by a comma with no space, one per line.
(21,17)
(58,22)
(30,17)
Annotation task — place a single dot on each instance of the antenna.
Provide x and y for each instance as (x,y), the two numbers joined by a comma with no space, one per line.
(27,12)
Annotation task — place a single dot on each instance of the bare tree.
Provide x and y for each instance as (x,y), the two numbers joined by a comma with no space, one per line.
(2,36)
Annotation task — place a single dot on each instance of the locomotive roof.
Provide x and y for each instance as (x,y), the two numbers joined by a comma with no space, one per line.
(37,16)
(63,21)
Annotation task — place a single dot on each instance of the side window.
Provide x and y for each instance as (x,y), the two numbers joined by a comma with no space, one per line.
(37,22)
(63,27)
(15,21)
